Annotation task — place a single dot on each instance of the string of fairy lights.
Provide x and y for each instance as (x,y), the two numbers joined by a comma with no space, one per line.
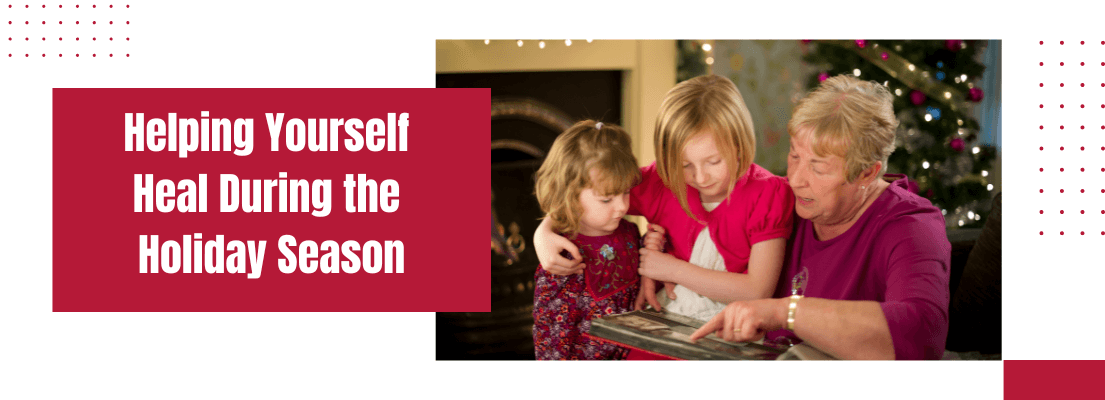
(540,43)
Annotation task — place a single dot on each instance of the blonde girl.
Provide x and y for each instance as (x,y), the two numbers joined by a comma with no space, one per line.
(727,218)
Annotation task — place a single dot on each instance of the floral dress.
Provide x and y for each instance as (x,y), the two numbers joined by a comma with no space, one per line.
(563,306)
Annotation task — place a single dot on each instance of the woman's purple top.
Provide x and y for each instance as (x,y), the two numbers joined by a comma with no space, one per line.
(897,254)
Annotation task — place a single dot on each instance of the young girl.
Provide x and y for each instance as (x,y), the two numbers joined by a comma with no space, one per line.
(728,218)
(583,187)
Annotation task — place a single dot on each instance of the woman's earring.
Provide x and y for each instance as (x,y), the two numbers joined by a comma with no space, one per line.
(863,188)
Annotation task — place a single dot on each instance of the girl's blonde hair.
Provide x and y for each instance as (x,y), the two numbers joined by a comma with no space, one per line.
(849,118)
(586,146)
(708,103)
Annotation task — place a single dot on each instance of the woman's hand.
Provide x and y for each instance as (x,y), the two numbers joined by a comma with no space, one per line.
(548,246)
(746,321)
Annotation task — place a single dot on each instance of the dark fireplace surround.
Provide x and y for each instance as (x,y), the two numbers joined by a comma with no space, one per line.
(528,111)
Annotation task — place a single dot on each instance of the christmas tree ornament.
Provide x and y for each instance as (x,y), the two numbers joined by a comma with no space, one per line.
(975,94)
(916,97)
(957,145)
(934,112)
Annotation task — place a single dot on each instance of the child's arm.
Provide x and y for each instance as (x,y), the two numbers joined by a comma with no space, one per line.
(653,240)
(548,245)
(764,266)
(647,294)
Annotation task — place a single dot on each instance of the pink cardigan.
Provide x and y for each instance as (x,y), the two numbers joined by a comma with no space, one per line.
(761,207)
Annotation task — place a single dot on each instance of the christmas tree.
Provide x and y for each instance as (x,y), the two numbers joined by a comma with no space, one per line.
(692,60)
(934,84)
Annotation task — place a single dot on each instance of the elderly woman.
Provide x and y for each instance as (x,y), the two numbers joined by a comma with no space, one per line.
(868,266)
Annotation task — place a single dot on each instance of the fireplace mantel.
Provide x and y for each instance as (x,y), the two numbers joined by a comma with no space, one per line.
(648,66)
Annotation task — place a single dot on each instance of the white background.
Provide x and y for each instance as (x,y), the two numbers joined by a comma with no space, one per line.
(1051,281)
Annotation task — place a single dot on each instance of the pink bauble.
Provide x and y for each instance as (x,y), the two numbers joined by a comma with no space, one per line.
(822,76)
(916,97)
(953,45)
(957,145)
(975,94)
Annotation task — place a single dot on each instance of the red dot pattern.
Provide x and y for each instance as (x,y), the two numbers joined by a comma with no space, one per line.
(94,23)
(1079,115)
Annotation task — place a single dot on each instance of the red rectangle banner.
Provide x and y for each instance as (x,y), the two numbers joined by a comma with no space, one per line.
(1052,379)
(271,200)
